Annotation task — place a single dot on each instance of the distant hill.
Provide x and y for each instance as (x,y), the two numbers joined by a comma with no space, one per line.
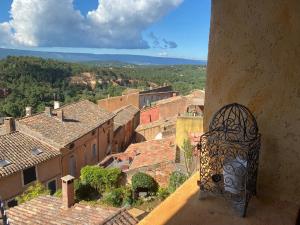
(102,58)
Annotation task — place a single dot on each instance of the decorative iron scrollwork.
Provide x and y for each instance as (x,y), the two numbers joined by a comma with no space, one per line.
(229,154)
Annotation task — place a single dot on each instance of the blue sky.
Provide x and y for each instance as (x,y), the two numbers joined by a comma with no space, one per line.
(177,28)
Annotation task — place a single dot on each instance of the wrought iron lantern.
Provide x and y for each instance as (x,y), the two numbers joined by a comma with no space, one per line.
(229,154)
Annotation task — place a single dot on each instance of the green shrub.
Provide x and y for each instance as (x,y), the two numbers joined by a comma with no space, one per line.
(144,182)
(99,178)
(58,193)
(114,198)
(32,192)
(163,193)
(111,177)
(128,197)
(84,191)
(119,197)
(176,179)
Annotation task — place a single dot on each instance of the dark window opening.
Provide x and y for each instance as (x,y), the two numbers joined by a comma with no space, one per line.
(52,187)
(94,150)
(12,203)
(72,145)
(29,175)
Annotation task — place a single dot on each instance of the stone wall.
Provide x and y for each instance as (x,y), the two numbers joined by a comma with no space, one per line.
(254,54)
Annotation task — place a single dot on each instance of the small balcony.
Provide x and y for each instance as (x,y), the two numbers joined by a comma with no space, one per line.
(183,207)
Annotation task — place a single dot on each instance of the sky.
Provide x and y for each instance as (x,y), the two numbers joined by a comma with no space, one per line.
(166,28)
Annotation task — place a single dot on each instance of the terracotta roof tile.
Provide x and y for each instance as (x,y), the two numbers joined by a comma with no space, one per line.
(49,210)
(17,149)
(80,118)
(147,153)
(170,121)
(124,115)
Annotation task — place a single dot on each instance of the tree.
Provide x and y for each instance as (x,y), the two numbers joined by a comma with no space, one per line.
(189,160)
(176,179)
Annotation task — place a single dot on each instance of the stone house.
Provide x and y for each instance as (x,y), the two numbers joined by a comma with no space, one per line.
(125,122)
(82,132)
(51,144)
(174,106)
(114,103)
(146,98)
(24,160)
(137,98)
(156,130)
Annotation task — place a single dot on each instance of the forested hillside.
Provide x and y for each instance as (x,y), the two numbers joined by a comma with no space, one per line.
(37,82)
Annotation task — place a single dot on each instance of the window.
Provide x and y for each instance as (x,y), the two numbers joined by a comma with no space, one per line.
(12,203)
(52,186)
(94,149)
(4,163)
(29,175)
(36,151)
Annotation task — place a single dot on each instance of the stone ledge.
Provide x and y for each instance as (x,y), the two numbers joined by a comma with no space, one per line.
(184,207)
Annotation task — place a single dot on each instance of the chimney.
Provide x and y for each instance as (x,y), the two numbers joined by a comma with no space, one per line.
(60,115)
(9,124)
(48,111)
(68,191)
(56,104)
(28,111)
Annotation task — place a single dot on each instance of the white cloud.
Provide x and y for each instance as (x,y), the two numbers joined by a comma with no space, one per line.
(114,24)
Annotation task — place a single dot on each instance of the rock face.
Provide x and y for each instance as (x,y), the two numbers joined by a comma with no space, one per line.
(87,79)
(254,54)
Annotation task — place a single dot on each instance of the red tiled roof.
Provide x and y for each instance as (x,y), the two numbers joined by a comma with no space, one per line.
(146,153)
(49,210)
(152,152)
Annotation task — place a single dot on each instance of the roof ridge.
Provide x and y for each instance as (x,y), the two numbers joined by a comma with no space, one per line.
(124,107)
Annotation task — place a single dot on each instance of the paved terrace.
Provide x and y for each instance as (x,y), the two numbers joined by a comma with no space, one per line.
(184,207)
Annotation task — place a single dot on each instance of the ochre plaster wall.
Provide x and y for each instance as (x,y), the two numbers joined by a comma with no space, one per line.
(82,150)
(185,125)
(12,185)
(254,55)
(113,103)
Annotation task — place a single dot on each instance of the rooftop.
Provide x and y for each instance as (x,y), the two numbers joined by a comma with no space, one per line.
(152,152)
(162,122)
(49,210)
(21,151)
(168,100)
(158,89)
(145,154)
(124,115)
(79,119)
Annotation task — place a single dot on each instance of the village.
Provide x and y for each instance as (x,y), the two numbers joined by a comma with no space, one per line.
(139,133)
